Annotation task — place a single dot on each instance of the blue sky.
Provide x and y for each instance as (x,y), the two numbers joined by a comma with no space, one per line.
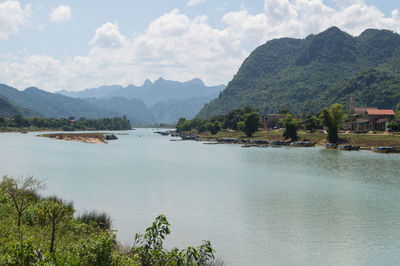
(72,44)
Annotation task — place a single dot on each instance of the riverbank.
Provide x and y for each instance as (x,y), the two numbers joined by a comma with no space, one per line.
(79,137)
(365,140)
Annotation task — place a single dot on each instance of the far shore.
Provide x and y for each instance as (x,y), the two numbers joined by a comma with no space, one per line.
(364,140)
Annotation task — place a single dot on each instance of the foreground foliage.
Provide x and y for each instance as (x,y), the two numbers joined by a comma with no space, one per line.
(45,232)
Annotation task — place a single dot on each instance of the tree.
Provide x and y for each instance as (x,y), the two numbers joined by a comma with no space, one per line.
(291,125)
(183,125)
(331,118)
(213,127)
(52,211)
(2,122)
(22,191)
(240,126)
(395,123)
(311,123)
(251,123)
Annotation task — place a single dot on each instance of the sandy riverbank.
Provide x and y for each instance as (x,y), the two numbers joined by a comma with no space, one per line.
(79,137)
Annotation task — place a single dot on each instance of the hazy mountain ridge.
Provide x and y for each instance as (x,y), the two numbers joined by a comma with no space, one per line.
(150,92)
(135,110)
(297,73)
(165,101)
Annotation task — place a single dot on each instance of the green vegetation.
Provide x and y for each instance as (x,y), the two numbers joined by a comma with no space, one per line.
(100,219)
(8,109)
(309,74)
(247,119)
(36,230)
(332,118)
(251,123)
(149,250)
(394,125)
(53,105)
(18,122)
(291,125)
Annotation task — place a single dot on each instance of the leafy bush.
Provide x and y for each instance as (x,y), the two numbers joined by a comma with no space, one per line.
(148,248)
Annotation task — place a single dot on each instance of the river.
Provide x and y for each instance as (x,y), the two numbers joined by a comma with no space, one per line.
(257,206)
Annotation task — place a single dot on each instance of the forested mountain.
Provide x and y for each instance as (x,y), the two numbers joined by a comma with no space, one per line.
(305,75)
(9,109)
(53,105)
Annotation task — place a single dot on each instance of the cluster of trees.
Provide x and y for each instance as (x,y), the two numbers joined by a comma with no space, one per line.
(246,120)
(66,124)
(37,230)
(394,125)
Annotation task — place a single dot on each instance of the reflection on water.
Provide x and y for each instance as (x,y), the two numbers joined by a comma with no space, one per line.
(258,206)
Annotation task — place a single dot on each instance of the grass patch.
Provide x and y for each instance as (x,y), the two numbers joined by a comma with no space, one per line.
(363,140)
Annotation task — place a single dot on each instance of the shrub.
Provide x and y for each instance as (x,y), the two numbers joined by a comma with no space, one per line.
(101,219)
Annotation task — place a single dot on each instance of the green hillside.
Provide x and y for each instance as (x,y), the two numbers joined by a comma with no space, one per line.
(53,105)
(307,74)
(8,109)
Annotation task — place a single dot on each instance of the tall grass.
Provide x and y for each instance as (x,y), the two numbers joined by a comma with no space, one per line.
(101,219)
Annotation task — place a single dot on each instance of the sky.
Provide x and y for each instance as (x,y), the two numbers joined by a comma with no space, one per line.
(75,44)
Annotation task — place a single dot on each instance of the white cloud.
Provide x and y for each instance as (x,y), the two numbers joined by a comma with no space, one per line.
(108,36)
(177,47)
(195,2)
(60,14)
(12,17)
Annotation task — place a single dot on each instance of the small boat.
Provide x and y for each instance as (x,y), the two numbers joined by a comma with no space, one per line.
(110,137)
(385,149)
(24,132)
(331,145)
(261,141)
(278,143)
(303,144)
(349,147)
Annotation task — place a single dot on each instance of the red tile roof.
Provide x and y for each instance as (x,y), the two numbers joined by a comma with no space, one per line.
(380,111)
(362,110)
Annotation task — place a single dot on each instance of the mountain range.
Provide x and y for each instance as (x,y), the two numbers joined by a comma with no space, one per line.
(305,75)
(163,101)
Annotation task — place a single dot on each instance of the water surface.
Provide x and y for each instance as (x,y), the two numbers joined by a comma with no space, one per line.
(258,206)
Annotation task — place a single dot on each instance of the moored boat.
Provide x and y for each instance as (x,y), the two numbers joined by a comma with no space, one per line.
(385,149)
(349,147)
(278,143)
(331,145)
(303,144)
(110,137)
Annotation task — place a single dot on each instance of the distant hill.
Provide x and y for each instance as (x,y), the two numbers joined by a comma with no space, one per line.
(53,105)
(135,110)
(305,75)
(170,111)
(9,109)
(167,100)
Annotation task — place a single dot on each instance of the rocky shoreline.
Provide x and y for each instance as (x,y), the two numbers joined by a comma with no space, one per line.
(253,142)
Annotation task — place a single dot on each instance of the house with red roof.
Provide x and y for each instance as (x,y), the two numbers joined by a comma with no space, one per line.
(369,119)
